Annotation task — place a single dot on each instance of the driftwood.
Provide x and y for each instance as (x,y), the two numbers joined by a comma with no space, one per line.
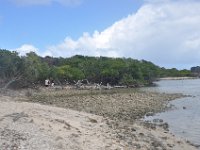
(95,86)
(81,84)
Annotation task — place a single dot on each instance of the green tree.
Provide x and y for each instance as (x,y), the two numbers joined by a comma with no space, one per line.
(35,70)
(11,67)
(69,73)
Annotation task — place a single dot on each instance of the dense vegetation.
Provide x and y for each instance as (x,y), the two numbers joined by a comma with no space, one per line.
(23,71)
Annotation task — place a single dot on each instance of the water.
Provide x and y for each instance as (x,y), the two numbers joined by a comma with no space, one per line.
(184,118)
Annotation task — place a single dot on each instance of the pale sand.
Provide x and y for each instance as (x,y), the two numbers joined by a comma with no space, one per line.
(31,126)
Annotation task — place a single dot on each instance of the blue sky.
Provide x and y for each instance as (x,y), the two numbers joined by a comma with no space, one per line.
(166,32)
(45,24)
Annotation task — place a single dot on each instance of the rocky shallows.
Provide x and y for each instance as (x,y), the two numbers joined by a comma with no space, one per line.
(84,120)
(127,105)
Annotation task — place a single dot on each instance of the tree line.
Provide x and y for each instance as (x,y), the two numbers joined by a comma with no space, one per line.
(24,71)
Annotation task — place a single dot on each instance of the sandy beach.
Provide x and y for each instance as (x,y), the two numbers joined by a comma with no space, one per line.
(50,119)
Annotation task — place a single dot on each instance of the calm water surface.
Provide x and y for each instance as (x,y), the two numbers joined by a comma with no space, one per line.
(182,122)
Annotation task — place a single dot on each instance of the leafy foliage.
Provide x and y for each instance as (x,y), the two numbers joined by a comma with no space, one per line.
(115,71)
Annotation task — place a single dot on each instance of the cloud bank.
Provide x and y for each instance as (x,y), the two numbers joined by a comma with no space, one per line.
(26,48)
(167,34)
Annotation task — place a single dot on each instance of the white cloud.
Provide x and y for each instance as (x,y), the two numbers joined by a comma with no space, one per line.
(164,33)
(45,2)
(26,48)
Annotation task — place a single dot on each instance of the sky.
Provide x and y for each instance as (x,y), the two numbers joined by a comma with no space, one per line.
(165,32)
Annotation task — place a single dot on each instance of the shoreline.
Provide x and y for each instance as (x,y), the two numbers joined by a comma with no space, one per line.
(113,113)
(178,78)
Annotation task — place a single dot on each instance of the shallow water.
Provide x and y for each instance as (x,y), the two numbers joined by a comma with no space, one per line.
(184,118)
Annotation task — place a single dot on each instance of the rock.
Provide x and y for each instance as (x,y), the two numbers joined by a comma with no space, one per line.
(59,145)
(1,119)
(156,143)
(164,138)
(92,120)
(141,134)
(133,129)
(170,145)
(58,138)
(149,114)
(165,126)
(137,146)
(157,120)
(149,125)
(31,121)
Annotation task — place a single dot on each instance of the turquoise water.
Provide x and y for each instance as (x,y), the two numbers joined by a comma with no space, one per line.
(184,118)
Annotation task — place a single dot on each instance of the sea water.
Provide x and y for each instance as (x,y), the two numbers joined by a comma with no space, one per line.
(184,117)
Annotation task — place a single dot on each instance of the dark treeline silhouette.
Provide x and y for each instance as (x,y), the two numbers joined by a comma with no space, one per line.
(27,71)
